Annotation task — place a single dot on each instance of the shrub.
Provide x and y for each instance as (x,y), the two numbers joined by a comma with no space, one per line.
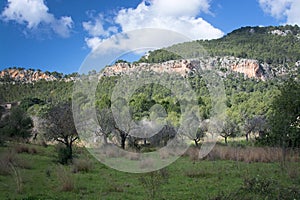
(82,165)
(63,155)
(147,163)
(9,164)
(133,156)
(22,148)
(293,170)
(65,179)
(5,159)
(261,188)
(193,153)
(259,185)
(164,154)
(153,180)
(113,187)
(9,159)
(112,152)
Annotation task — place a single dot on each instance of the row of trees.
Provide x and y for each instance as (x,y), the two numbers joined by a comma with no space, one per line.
(280,128)
(272,116)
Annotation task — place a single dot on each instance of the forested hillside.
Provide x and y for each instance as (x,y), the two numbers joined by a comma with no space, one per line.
(249,100)
(273,45)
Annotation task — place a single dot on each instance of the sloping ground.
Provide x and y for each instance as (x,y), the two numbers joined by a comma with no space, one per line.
(36,175)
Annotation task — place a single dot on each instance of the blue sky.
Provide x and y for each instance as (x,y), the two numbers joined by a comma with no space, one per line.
(57,35)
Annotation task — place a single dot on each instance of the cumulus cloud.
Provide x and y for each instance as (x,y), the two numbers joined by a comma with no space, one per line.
(282,9)
(136,42)
(96,28)
(294,13)
(93,42)
(175,15)
(34,13)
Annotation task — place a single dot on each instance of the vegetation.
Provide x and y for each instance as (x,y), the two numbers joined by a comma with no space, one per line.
(261,131)
(213,178)
(248,42)
(59,126)
(16,126)
(285,117)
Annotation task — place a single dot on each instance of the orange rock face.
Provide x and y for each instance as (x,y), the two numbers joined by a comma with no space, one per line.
(248,67)
(25,75)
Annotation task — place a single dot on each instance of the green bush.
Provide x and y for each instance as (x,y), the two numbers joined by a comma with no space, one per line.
(63,155)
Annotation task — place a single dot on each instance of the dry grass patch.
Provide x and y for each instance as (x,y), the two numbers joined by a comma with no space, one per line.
(22,148)
(251,154)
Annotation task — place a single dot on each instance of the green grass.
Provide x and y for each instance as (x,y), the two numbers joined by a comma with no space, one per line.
(187,180)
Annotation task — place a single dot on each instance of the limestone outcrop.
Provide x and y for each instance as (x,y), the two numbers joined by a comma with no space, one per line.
(250,68)
(26,76)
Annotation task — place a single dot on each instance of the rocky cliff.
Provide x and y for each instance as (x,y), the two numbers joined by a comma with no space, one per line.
(29,76)
(26,76)
(250,68)
(225,65)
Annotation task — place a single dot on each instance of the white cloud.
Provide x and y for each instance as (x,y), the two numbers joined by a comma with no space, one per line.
(95,27)
(34,13)
(179,7)
(294,13)
(93,42)
(282,9)
(175,15)
(132,42)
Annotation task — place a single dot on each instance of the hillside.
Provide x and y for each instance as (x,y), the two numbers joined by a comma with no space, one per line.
(276,48)
(243,74)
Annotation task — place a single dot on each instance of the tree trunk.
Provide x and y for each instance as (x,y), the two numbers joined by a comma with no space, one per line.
(196,142)
(123,139)
(70,152)
(247,139)
(226,140)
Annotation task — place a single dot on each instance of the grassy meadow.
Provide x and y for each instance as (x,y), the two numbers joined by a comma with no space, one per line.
(228,172)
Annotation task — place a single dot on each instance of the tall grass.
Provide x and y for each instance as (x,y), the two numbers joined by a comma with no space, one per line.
(253,154)
(246,154)
(10,164)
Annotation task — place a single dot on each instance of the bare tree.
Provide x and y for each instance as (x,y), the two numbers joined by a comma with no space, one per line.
(59,126)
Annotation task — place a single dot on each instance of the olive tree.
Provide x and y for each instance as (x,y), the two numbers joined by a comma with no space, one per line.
(59,126)
(228,129)
(256,124)
(16,125)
